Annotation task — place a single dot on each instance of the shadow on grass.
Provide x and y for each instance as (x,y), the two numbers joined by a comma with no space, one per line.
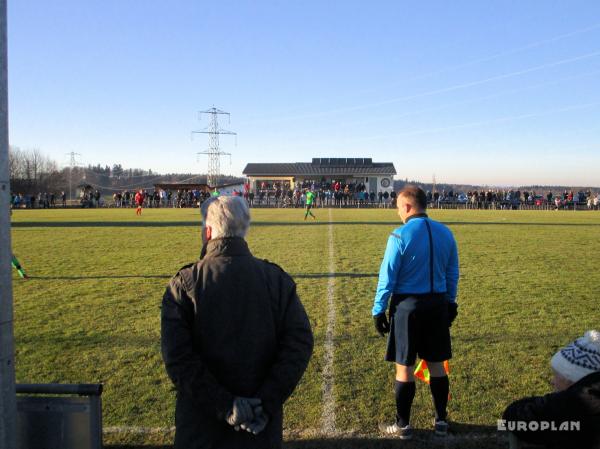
(101,276)
(168,276)
(167,224)
(333,275)
(366,443)
(463,436)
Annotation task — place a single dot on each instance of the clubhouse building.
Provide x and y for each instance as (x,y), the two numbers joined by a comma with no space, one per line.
(376,176)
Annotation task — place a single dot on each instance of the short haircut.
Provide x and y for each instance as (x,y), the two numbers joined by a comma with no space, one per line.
(228,216)
(414,195)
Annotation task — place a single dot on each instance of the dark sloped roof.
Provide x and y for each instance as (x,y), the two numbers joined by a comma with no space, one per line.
(178,185)
(321,169)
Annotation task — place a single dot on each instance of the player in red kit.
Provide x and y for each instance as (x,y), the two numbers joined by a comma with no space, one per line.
(139,200)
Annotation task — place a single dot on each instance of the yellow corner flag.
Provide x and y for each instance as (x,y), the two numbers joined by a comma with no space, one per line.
(422,371)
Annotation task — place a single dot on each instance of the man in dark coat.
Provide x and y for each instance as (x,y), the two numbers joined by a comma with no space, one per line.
(569,417)
(235,338)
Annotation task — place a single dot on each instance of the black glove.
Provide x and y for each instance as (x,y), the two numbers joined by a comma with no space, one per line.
(452,312)
(381,324)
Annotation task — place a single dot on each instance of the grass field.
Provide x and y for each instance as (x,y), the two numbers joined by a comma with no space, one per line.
(90,312)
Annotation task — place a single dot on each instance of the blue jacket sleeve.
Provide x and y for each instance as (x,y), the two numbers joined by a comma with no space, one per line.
(388,273)
(452,273)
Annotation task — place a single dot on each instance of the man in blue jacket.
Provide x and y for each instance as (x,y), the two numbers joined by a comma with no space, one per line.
(419,273)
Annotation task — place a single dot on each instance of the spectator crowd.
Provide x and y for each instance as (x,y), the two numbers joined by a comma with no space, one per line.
(43,200)
(280,194)
(515,199)
(162,198)
(327,194)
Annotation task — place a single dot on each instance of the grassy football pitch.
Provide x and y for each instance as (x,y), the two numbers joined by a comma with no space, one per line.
(90,312)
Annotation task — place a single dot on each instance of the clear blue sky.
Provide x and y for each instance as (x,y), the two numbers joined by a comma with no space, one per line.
(486,92)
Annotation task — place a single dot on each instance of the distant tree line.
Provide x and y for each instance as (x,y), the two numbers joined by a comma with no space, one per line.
(32,172)
(118,171)
(464,188)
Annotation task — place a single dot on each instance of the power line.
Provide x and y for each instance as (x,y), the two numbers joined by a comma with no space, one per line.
(117,189)
(441,90)
(445,70)
(486,122)
(503,53)
(471,100)
(145,181)
(213,151)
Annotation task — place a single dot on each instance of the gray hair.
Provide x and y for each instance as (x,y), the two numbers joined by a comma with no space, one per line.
(228,216)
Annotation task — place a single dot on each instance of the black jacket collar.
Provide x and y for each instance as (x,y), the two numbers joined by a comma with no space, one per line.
(225,246)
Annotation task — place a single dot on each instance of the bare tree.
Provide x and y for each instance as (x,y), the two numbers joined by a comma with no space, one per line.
(14,163)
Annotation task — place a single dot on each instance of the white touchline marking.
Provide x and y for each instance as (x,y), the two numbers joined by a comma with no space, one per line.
(328,418)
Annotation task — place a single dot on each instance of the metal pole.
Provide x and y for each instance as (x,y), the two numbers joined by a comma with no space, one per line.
(8,400)
(72,164)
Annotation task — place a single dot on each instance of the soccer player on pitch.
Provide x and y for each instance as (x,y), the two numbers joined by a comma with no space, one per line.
(139,201)
(17,266)
(310,198)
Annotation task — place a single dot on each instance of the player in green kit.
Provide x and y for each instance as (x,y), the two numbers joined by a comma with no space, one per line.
(310,198)
(15,263)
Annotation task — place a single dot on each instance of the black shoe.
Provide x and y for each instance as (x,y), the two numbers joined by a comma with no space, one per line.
(440,427)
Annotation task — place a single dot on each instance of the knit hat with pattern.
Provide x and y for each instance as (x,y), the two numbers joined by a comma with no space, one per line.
(579,358)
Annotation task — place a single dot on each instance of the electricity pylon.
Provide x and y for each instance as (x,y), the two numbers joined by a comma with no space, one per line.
(214,153)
